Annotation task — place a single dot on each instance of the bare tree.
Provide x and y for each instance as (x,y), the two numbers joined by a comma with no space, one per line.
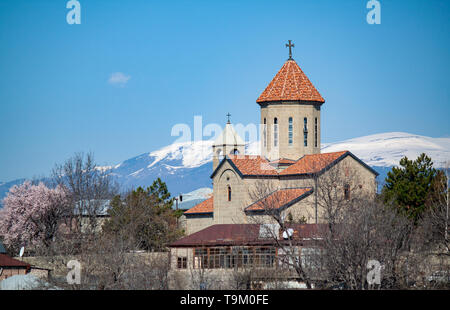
(89,186)
(436,219)
(268,200)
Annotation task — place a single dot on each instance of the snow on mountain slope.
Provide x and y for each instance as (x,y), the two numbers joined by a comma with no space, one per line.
(387,149)
(186,167)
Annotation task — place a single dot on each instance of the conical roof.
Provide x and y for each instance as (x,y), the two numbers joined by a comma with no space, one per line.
(290,84)
(229,137)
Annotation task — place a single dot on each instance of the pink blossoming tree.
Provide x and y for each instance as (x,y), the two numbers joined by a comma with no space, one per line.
(32,213)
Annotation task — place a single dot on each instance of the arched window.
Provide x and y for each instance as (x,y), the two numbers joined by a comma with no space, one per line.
(275,132)
(234,152)
(265,133)
(290,131)
(229,192)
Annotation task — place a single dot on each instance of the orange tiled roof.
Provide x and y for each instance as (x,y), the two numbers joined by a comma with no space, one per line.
(290,84)
(279,198)
(283,161)
(312,163)
(252,165)
(206,206)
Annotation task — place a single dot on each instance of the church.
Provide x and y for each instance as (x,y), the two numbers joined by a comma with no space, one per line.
(285,178)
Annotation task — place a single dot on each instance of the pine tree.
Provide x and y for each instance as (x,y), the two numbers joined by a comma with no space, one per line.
(144,218)
(409,185)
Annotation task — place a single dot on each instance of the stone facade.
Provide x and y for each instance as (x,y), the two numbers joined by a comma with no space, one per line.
(283,112)
(290,109)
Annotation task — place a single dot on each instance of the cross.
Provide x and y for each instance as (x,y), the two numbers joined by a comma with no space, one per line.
(290,45)
(228,115)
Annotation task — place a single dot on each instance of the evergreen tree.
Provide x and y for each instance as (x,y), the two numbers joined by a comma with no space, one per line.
(409,185)
(144,218)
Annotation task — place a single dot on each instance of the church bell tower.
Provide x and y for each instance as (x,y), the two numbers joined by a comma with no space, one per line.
(228,143)
(290,114)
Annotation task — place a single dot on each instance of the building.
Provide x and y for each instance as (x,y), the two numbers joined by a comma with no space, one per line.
(287,177)
(10,267)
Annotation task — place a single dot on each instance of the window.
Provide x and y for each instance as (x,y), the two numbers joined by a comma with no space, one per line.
(347,192)
(275,132)
(315,132)
(200,258)
(311,258)
(182,262)
(229,193)
(305,131)
(290,131)
(234,152)
(231,257)
(265,133)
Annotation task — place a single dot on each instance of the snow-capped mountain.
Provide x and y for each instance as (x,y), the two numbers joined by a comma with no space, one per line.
(386,149)
(186,167)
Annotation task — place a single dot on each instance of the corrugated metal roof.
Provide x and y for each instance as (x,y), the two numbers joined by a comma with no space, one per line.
(244,234)
(6,261)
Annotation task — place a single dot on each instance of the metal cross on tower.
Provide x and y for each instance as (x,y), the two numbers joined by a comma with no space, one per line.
(290,45)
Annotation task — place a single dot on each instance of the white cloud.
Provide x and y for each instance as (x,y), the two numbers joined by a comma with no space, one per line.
(118,79)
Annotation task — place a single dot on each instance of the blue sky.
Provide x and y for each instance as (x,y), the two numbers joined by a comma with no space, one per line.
(186,58)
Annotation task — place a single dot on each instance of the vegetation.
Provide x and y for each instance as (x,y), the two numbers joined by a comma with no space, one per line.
(145,217)
(409,186)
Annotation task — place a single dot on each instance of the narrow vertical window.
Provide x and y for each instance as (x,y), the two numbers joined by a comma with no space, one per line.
(229,193)
(347,192)
(265,132)
(290,131)
(315,132)
(275,132)
(305,131)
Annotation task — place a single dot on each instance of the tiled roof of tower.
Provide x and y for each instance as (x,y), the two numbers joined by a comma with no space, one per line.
(290,84)
(313,163)
(206,206)
(252,165)
(280,198)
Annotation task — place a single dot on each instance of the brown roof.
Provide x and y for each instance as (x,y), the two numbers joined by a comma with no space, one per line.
(280,198)
(252,165)
(313,163)
(206,206)
(6,261)
(242,234)
(290,84)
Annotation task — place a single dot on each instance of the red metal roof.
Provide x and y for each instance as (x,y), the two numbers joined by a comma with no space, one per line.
(6,261)
(290,84)
(279,199)
(243,234)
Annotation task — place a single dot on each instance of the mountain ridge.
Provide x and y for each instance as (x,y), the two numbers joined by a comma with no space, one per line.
(186,166)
